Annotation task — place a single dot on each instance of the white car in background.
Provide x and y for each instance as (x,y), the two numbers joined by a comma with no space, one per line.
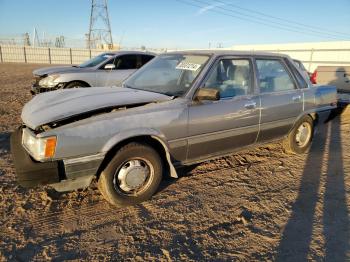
(107,69)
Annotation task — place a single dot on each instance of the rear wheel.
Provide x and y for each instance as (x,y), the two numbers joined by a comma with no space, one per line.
(299,139)
(132,176)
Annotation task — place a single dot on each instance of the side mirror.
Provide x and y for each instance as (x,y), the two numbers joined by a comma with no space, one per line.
(208,94)
(109,66)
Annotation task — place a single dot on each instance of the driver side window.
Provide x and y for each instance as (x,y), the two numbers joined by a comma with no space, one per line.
(231,77)
(126,62)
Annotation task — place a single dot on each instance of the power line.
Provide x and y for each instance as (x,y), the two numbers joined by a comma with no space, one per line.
(274,23)
(285,20)
(254,20)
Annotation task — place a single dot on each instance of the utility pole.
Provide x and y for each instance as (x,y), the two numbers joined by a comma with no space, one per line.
(100,33)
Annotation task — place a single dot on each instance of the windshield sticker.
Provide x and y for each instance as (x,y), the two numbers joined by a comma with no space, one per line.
(188,66)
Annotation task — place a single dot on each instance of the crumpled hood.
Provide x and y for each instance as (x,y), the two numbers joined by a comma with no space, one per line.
(61,104)
(58,70)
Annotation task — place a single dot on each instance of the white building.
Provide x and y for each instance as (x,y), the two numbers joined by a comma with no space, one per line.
(312,54)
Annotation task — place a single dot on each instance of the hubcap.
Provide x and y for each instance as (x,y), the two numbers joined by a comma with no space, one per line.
(133,176)
(303,134)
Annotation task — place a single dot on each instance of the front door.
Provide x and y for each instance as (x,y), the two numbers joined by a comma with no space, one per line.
(125,65)
(218,127)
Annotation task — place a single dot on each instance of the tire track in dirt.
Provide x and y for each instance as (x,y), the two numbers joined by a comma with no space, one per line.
(105,211)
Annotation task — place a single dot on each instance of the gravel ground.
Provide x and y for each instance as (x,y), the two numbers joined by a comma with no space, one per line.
(259,204)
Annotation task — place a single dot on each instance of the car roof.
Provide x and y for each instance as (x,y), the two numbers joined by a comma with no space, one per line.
(127,52)
(228,52)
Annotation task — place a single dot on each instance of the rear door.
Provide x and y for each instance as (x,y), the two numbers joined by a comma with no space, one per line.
(218,127)
(281,99)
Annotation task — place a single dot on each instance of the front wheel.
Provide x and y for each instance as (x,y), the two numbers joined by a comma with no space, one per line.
(132,176)
(74,84)
(299,139)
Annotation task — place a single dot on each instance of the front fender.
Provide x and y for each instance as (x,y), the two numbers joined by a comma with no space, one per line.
(81,77)
(155,134)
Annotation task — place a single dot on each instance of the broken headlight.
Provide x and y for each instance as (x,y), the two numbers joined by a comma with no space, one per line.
(49,81)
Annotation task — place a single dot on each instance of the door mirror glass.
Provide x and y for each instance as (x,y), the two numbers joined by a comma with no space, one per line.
(109,66)
(208,94)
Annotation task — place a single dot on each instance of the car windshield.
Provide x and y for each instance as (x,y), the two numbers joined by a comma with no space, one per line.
(96,60)
(171,74)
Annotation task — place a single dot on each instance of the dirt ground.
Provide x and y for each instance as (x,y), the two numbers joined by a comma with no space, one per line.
(260,204)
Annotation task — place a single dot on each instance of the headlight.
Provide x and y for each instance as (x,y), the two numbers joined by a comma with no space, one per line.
(49,81)
(39,148)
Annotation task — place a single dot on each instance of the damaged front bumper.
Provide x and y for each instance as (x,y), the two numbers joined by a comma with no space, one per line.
(36,89)
(62,175)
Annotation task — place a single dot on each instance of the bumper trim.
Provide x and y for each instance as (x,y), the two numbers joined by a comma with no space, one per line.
(82,166)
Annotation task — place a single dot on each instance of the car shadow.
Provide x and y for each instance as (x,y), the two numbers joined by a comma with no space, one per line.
(181,172)
(4,148)
(340,77)
(297,234)
(4,142)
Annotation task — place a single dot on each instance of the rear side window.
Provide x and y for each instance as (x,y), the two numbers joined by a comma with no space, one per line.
(273,76)
(301,81)
(125,62)
(299,65)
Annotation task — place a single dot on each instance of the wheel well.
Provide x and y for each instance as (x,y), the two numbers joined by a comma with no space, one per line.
(148,140)
(78,81)
(314,117)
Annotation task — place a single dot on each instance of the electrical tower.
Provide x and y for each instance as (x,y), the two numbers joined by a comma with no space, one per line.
(100,34)
(36,41)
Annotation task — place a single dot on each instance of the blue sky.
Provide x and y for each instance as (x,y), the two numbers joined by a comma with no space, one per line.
(175,24)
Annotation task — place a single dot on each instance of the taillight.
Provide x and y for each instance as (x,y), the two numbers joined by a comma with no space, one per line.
(313,77)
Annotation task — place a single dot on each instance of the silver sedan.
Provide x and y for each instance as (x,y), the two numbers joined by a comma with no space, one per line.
(107,69)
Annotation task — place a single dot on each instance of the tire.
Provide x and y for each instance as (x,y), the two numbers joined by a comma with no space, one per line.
(134,163)
(296,142)
(75,84)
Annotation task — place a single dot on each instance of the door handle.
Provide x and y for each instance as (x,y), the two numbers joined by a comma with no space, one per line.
(250,105)
(296,98)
